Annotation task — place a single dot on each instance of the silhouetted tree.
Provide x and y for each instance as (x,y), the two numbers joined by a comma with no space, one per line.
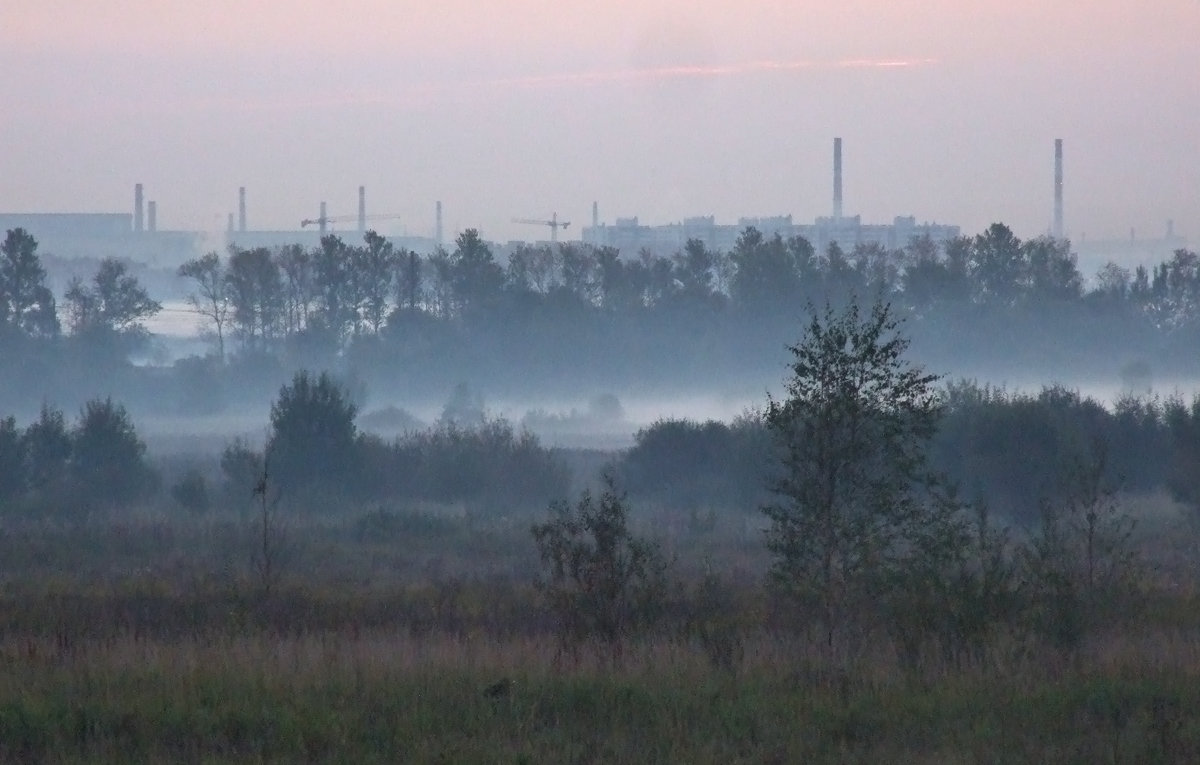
(374,267)
(617,294)
(1183,478)
(26,304)
(441,283)
(211,298)
(336,309)
(603,582)
(878,268)
(107,458)
(766,280)
(256,294)
(1172,300)
(998,265)
(841,278)
(576,265)
(694,266)
(1080,566)
(1112,291)
(930,279)
(408,281)
(1052,275)
(115,303)
(46,446)
(853,516)
(312,442)
(475,277)
(299,285)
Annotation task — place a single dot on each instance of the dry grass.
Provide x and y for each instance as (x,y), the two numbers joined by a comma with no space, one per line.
(383,696)
(145,640)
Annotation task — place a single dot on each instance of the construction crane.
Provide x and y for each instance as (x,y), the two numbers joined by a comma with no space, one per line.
(553,223)
(324,220)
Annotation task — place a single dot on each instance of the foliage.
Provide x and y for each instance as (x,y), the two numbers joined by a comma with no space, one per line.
(692,465)
(1081,567)
(108,465)
(489,468)
(312,442)
(255,292)
(570,312)
(856,516)
(110,310)
(474,275)
(26,303)
(1011,449)
(46,445)
(211,299)
(1183,426)
(602,582)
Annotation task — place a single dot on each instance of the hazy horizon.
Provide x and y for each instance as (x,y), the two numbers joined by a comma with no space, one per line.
(948,111)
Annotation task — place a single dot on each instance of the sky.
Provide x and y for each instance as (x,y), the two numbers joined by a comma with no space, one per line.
(948,110)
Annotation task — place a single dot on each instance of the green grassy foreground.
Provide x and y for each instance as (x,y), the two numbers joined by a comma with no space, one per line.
(387,697)
(154,642)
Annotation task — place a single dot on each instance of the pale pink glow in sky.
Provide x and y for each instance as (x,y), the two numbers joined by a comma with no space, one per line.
(656,108)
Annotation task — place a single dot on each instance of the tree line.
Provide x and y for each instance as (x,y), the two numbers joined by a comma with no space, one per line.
(1013,450)
(314,458)
(570,313)
(343,291)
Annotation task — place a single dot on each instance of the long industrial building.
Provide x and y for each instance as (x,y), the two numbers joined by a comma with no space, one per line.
(136,235)
(631,237)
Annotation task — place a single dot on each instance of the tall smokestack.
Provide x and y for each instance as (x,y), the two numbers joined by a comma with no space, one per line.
(230,223)
(362,209)
(322,219)
(595,215)
(137,208)
(242,209)
(1058,188)
(437,231)
(152,215)
(837,178)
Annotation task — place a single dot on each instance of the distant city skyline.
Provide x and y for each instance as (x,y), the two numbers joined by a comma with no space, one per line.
(948,111)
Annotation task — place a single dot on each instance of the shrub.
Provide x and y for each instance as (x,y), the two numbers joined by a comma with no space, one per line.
(107,458)
(313,435)
(603,583)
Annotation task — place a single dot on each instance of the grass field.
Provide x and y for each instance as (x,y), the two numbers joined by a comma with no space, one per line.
(383,696)
(151,641)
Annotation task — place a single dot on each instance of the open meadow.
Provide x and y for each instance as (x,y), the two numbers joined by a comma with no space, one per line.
(156,639)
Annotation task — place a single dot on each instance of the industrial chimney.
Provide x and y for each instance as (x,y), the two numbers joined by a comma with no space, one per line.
(837,178)
(230,229)
(137,208)
(1058,188)
(437,231)
(242,209)
(595,215)
(323,219)
(152,216)
(362,209)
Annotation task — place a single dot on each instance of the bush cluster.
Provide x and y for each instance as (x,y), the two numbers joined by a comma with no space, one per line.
(98,464)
